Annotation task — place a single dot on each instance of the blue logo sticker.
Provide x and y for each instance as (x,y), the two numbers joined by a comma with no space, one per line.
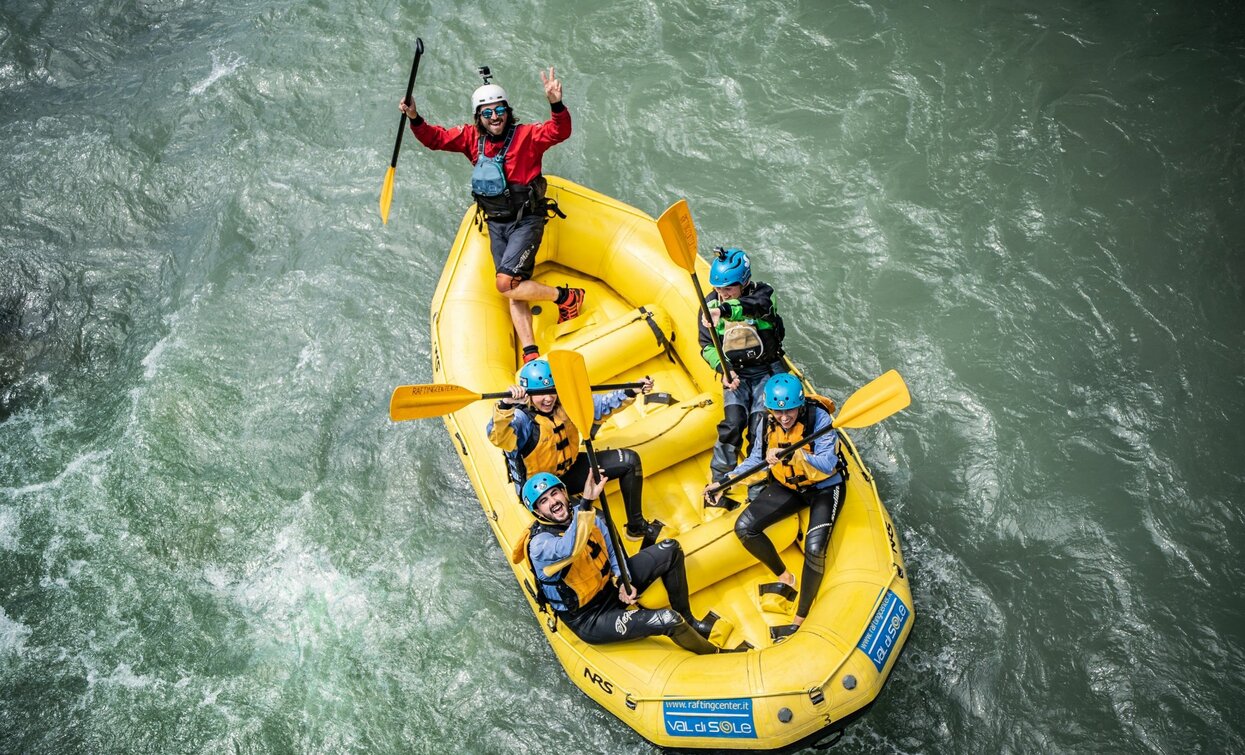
(710,718)
(883,632)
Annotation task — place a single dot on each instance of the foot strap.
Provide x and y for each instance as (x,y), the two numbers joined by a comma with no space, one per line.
(718,629)
(777,597)
(725,502)
(782,632)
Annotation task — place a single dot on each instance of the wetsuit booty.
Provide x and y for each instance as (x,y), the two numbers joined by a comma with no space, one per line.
(686,637)
(645,531)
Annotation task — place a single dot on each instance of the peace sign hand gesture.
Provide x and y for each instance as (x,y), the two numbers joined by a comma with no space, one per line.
(553,87)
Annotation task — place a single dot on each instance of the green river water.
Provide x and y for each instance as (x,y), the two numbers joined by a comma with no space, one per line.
(213,540)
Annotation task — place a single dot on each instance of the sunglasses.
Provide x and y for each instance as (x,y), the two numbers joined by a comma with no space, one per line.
(488,112)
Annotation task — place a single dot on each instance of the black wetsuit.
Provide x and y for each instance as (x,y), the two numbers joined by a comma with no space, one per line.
(607,619)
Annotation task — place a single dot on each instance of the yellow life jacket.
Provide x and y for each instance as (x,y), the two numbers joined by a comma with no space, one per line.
(586,575)
(794,471)
(558,445)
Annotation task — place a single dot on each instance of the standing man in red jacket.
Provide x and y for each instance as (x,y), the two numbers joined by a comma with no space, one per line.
(509,191)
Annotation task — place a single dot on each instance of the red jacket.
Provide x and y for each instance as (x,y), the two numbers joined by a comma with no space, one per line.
(526,149)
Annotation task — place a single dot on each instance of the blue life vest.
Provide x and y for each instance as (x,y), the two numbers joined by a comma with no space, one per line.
(489,177)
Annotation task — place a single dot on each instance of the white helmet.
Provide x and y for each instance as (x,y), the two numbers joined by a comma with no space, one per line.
(487,95)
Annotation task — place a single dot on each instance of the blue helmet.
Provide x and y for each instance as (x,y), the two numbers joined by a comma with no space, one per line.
(536,486)
(731,268)
(784,391)
(535,375)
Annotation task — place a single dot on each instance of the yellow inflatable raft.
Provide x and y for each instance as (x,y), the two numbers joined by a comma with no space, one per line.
(640,319)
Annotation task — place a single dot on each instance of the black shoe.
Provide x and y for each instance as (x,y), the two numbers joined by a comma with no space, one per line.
(646,531)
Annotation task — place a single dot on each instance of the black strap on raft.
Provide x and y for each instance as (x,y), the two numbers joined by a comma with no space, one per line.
(665,399)
(662,341)
(782,632)
(780,589)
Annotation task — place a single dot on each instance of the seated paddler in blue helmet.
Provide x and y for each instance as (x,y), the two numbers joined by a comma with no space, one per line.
(576,565)
(750,331)
(813,476)
(535,433)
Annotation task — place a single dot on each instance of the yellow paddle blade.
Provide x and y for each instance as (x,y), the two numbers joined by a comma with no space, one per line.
(429,400)
(386,196)
(570,378)
(874,402)
(678,232)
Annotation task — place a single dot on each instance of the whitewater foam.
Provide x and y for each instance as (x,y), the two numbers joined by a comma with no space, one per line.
(220,69)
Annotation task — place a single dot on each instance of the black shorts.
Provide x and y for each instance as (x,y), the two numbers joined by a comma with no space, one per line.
(514,244)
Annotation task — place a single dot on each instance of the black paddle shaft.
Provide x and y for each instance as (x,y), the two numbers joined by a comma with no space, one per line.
(784,453)
(620,552)
(410,87)
(548,391)
(713,332)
